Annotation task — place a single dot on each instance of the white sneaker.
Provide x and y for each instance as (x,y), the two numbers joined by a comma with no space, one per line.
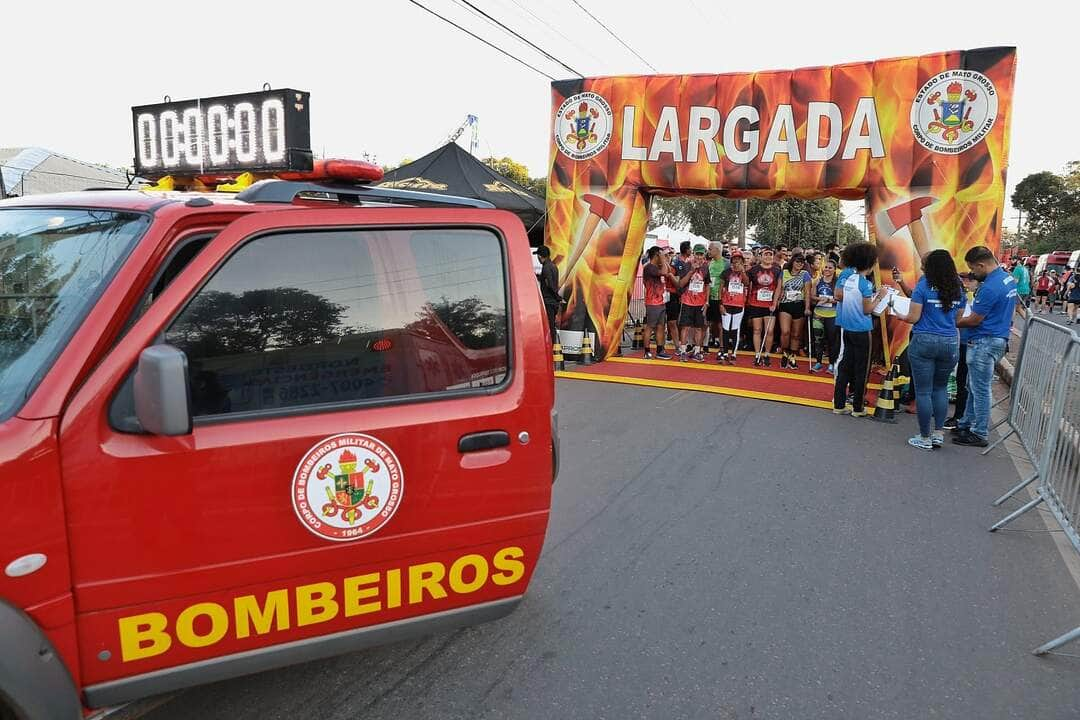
(937,438)
(923,443)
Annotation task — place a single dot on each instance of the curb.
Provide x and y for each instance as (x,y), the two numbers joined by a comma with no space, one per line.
(1005,371)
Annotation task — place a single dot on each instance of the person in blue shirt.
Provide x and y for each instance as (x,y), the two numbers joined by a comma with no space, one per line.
(971,286)
(933,348)
(855,297)
(990,320)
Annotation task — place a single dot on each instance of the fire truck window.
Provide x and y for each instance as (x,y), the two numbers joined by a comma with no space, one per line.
(314,318)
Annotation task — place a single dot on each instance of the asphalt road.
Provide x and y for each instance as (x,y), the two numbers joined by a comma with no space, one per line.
(711,557)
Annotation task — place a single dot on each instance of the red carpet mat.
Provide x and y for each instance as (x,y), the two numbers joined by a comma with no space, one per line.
(799,387)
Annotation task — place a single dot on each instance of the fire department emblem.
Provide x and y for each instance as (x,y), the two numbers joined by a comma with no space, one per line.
(583,126)
(347,487)
(954,111)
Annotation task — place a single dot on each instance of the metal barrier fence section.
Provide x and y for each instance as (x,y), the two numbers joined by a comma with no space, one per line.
(1045,415)
(1040,368)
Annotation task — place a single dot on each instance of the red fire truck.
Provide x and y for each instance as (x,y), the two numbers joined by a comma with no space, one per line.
(243,430)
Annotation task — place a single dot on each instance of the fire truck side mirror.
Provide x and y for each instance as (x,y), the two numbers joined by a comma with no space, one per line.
(162,397)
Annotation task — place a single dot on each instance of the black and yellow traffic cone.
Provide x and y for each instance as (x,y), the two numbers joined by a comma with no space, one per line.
(586,349)
(885,407)
(557,358)
(638,339)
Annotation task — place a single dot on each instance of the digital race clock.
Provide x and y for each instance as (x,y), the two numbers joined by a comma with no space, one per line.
(261,132)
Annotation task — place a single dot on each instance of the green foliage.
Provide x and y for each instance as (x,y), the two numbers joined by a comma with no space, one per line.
(790,221)
(803,223)
(510,168)
(1051,204)
(713,218)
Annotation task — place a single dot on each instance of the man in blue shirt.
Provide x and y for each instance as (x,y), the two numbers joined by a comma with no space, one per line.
(989,323)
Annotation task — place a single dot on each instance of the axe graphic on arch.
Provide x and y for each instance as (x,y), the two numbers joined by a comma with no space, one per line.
(599,209)
(907,214)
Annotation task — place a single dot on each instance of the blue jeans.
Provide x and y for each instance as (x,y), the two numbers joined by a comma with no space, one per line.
(983,354)
(932,358)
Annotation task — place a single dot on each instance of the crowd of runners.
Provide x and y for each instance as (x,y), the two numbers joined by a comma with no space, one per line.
(760,302)
(809,306)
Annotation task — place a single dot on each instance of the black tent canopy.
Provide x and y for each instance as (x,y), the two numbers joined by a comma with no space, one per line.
(450,170)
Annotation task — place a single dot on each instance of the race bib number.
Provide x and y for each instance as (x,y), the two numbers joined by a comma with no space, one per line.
(667,296)
(764,294)
(792,296)
(735,287)
(697,286)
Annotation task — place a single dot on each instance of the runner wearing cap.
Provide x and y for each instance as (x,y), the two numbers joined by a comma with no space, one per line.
(735,288)
(674,305)
(694,282)
(717,265)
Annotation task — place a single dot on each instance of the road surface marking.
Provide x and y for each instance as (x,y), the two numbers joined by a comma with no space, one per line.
(597,377)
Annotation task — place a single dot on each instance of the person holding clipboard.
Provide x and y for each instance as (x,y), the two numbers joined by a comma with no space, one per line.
(934,348)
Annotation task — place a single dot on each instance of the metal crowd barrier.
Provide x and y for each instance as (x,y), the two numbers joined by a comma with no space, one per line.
(1051,423)
(1039,369)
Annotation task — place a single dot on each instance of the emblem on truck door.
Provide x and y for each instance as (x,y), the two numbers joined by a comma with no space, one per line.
(347,487)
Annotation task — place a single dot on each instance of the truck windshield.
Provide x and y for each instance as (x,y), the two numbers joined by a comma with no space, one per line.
(54,264)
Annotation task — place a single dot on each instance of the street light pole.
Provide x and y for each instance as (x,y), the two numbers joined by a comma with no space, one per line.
(741,204)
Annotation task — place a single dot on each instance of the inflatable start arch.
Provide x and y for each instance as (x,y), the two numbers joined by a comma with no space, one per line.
(923,139)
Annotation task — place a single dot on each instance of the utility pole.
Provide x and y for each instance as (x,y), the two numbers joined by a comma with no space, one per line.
(741,204)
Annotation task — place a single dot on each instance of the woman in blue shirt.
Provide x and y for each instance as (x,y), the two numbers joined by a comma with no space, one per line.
(934,345)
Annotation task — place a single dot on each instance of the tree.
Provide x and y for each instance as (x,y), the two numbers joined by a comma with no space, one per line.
(508,167)
(512,169)
(1046,199)
(794,222)
(223,323)
(714,218)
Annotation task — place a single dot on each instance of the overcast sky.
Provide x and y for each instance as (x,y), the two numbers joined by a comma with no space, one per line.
(389,79)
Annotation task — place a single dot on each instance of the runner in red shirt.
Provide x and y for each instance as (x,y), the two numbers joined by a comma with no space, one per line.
(1042,289)
(764,298)
(655,276)
(734,291)
(694,282)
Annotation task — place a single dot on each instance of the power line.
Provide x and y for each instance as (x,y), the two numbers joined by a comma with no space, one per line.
(489,44)
(520,37)
(558,32)
(612,33)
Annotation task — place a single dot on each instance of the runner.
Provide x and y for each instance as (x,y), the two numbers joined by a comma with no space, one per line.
(857,298)
(735,286)
(656,275)
(674,306)
(693,281)
(1072,296)
(823,295)
(1042,289)
(764,297)
(794,308)
(717,264)
(1023,283)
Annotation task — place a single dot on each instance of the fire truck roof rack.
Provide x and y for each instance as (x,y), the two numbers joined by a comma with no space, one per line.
(285,191)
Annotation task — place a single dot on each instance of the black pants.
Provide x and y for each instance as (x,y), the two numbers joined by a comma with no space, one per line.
(961,382)
(551,310)
(832,341)
(852,370)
